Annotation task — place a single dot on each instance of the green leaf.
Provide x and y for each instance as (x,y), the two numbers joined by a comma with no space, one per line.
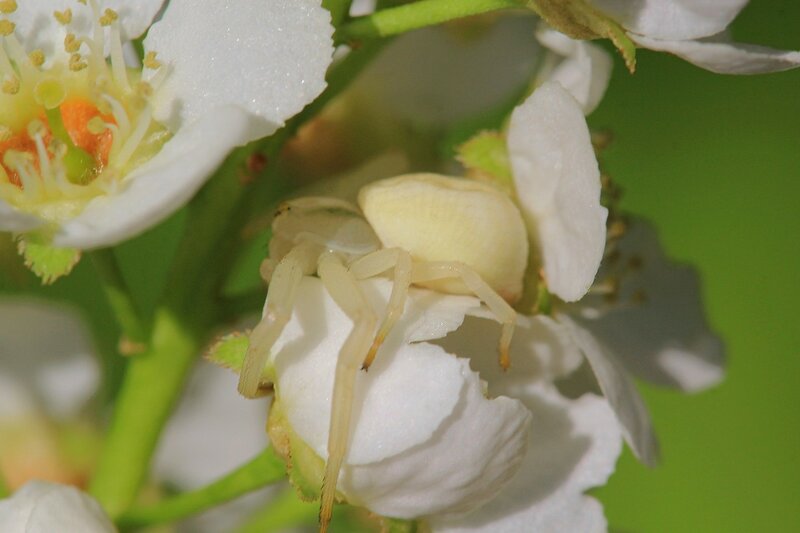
(395,525)
(485,157)
(581,21)
(44,259)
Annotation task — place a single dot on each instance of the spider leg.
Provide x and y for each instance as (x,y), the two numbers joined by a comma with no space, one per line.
(502,311)
(278,310)
(373,264)
(344,290)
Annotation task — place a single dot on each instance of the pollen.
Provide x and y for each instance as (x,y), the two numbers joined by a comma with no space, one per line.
(63,17)
(7,27)
(8,6)
(109,16)
(37,58)
(151,62)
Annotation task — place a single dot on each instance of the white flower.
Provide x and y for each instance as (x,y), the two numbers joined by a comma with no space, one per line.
(43,507)
(695,31)
(425,440)
(665,338)
(654,328)
(557,182)
(139,143)
(479,67)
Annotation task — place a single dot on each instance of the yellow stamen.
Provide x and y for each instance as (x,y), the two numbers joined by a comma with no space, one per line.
(8,6)
(37,58)
(109,16)
(77,63)
(151,62)
(7,27)
(71,43)
(11,85)
(63,17)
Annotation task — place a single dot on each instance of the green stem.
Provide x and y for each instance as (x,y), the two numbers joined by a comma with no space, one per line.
(119,297)
(339,9)
(152,383)
(4,492)
(266,468)
(397,20)
(282,513)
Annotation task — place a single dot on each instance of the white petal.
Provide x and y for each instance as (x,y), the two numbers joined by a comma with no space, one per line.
(162,185)
(46,348)
(213,431)
(268,57)
(582,68)
(663,338)
(362,7)
(541,350)
(573,446)
(16,221)
(558,186)
(470,457)
(43,507)
(463,73)
(725,57)
(620,392)
(37,28)
(672,19)
(389,420)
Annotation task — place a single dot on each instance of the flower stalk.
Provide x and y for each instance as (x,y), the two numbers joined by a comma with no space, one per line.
(264,469)
(404,18)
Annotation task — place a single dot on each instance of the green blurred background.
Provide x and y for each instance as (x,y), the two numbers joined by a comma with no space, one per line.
(714,161)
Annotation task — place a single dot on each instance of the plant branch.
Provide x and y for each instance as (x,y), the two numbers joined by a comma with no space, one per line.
(266,468)
(120,298)
(407,17)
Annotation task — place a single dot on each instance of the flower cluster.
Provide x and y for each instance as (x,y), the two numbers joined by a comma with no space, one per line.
(449,340)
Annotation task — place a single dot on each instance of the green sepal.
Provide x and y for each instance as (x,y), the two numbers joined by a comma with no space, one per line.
(485,156)
(396,525)
(229,352)
(579,20)
(45,260)
(306,468)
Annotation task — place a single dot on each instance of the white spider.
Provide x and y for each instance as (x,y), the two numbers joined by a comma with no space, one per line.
(449,234)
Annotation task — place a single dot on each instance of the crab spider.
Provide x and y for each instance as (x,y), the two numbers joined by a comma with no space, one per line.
(448,234)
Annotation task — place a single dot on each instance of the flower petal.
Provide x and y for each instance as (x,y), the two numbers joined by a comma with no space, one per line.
(573,446)
(16,221)
(470,457)
(37,28)
(718,55)
(213,430)
(658,330)
(46,347)
(389,420)
(672,19)
(558,186)
(268,57)
(162,185)
(465,72)
(620,392)
(43,507)
(582,68)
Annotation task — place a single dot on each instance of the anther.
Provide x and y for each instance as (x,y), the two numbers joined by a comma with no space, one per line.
(109,16)
(76,63)
(8,6)
(35,127)
(5,133)
(150,61)
(7,27)
(37,58)
(71,43)
(144,89)
(11,85)
(63,17)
